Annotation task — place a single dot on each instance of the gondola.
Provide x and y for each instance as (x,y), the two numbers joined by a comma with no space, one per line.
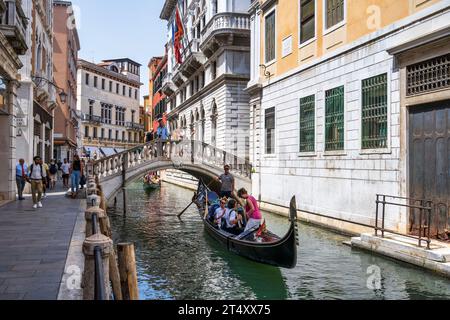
(266,248)
(151,186)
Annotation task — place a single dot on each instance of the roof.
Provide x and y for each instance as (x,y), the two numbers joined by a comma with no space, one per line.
(83,64)
(123,59)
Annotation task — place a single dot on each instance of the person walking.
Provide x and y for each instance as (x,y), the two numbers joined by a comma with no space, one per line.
(37,176)
(65,168)
(227,183)
(21,177)
(76,173)
(53,171)
(59,175)
(46,181)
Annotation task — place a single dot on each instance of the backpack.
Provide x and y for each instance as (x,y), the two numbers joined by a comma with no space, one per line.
(212,211)
(53,169)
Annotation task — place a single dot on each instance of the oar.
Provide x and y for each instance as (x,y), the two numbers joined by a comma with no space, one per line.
(193,201)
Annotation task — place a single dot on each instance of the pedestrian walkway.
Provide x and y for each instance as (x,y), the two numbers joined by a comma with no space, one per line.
(34,246)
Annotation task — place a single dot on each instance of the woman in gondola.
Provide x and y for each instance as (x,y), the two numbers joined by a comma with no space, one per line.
(254,216)
(232,219)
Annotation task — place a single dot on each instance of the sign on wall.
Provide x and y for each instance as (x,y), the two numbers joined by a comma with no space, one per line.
(287,46)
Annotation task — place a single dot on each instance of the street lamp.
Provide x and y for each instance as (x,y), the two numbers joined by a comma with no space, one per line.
(62,95)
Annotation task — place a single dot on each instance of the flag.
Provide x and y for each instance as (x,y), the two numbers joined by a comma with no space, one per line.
(178,35)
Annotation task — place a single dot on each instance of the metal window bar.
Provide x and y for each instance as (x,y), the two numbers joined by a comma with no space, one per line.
(334,119)
(425,208)
(307,124)
(428,76)
(374,112)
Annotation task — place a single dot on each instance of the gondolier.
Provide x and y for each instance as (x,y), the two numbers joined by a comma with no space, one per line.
(227,183)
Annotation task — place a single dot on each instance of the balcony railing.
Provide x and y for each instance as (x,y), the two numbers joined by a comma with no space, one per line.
(91,118)
(226,22)
(13,24)
(134,126)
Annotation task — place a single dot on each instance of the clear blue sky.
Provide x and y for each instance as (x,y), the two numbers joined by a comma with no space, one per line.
(118,29)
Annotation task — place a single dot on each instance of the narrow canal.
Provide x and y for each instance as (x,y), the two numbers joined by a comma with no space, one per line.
(177,260)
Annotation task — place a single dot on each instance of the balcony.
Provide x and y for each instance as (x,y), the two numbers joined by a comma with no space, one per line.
(2,6)
(193,58)
(167,85)
(96,120)
(225,29)
(13,24)
(134,126)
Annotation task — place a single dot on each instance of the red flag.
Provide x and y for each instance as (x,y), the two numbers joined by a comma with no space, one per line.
(178,36)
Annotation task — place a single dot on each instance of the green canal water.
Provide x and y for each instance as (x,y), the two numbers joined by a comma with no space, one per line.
(178,260)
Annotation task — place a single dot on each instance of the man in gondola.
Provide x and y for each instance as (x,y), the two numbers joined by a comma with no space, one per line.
(226,183)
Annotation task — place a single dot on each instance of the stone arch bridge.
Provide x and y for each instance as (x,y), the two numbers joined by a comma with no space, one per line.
(199,159)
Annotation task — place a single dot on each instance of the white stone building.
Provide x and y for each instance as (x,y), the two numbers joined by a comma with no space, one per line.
(205,93)
(108,102)
(406,62)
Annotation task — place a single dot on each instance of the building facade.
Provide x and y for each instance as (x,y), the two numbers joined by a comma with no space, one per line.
(36,96)
(13,44)
(350,99)
(157,71)
(205,92)
(148,127)
(108,101)
(65,57)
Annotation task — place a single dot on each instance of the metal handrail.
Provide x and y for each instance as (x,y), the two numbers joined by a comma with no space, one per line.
(99,290)
(425,206)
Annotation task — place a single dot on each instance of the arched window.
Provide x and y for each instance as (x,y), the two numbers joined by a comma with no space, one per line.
(214,116)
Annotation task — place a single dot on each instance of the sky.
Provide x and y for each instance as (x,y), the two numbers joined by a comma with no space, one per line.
(121,29)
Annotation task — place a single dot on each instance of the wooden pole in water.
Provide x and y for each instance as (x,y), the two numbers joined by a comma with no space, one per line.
(114,275)
(127,271)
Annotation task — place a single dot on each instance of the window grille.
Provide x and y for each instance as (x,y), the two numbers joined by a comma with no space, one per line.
(335,12)
(307,124)
(334,119)
(428,76)
(374,112)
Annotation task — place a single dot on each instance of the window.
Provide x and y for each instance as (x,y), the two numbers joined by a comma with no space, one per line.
(334,12)
(334,119)
(129,137)
(374,112)
(123,135)
(135,137)
(103,133)
(110,86)
(103,84)
(307,20)
(123,90)
(86,132)
(117,135)
(117,88)
(307,124)
(135,94)
(87,79)
(214,70)
(270,37)
(270,130)
(110,134)
(95,82)
(129,92)
(91,108)
(95,133)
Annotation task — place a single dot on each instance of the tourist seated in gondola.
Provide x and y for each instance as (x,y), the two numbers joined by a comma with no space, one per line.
(220,211)
(231,219)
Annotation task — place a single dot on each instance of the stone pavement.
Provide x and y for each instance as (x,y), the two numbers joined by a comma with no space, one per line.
(34,246)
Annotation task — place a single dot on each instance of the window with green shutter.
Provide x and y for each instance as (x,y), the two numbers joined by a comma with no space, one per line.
(374,112)
(270,37)
(270,130)
(334,119)
(335,12)
(307,20)
(307,124)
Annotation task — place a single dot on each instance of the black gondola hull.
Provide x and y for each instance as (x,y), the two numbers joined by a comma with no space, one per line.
(280,252)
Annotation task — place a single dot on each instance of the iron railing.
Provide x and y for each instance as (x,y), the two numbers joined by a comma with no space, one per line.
(425,207)
(99,290)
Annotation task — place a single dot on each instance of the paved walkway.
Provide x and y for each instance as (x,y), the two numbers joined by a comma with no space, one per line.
(34,246)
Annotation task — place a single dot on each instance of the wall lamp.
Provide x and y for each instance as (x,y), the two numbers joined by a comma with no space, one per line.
(39,81)
(267,74)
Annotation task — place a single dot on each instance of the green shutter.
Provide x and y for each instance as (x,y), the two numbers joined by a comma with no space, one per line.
(334,119)
(335,12)
(374,112)
(307,124)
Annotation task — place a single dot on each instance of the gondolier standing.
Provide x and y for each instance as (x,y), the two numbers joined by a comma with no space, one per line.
(227,183)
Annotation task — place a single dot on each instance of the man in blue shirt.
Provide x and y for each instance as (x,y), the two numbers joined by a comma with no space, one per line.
(21,175)
(162,132)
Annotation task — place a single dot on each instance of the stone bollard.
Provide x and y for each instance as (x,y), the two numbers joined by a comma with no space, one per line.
(91,191)
(101,215)
(93,201)
(92,185)
(89,245)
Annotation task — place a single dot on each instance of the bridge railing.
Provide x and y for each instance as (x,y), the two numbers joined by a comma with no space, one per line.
(180,152)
